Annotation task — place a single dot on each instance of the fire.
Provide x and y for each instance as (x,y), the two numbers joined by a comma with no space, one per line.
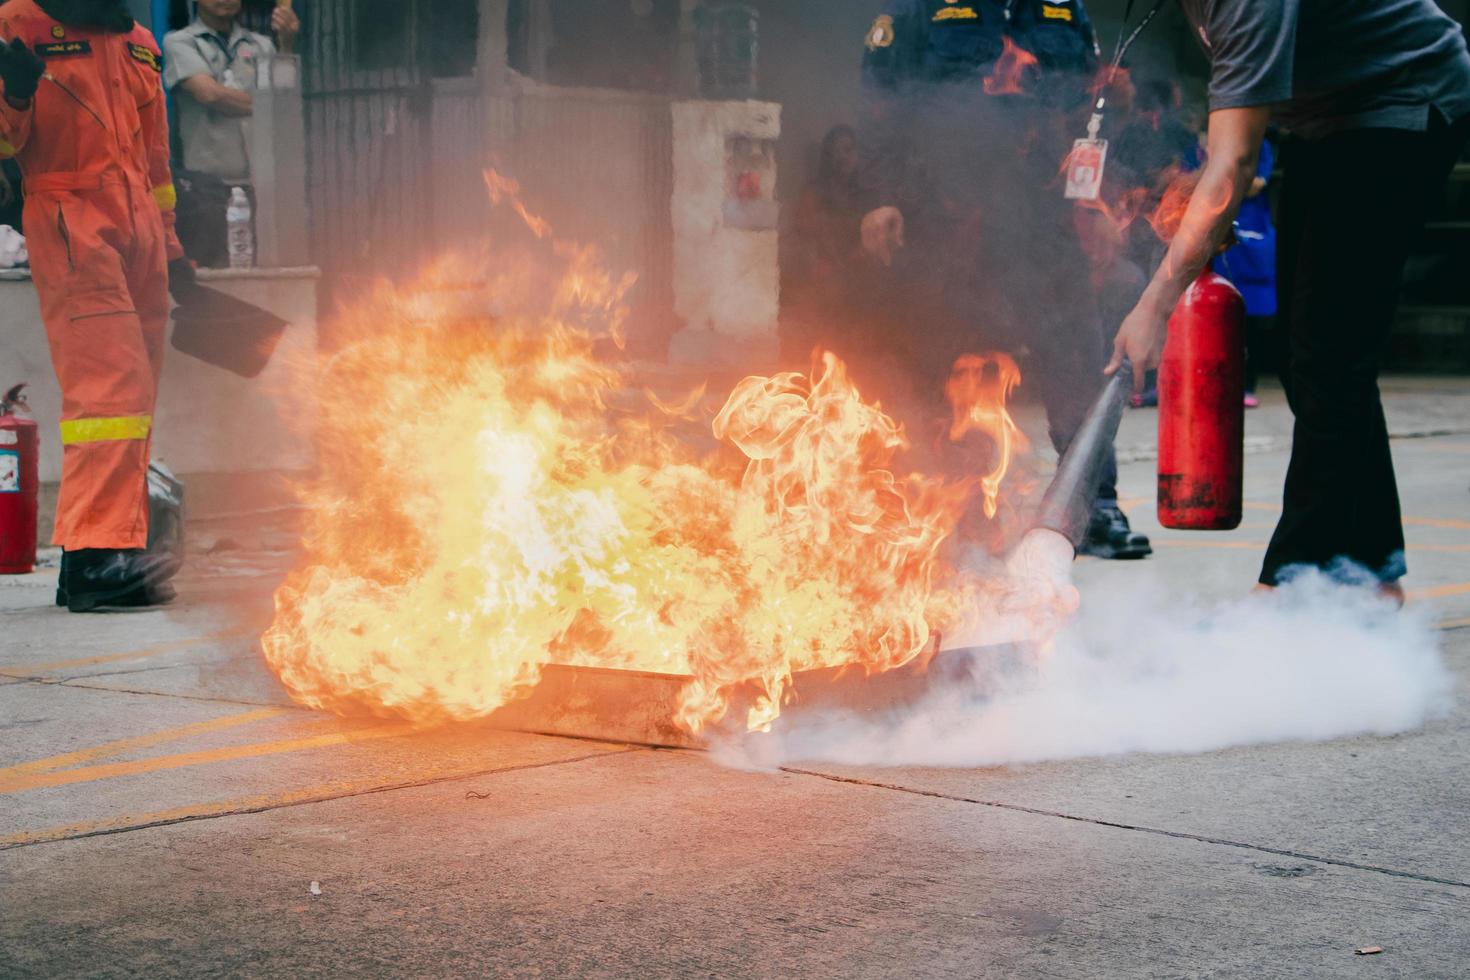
(494,495)
(978,389)
(1010,69)
(1179,186)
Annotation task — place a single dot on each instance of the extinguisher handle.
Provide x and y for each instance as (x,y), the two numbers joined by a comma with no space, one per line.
(12,398)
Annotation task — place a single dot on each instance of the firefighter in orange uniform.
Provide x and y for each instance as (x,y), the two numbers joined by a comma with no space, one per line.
(84,115)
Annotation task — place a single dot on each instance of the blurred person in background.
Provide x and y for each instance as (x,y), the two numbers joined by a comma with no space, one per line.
(1250,265)
(971,109)
(82,111)
(1377,96)
(827,248)
(210,68)
(12,191)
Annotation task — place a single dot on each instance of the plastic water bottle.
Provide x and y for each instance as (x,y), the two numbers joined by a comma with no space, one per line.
(237,221)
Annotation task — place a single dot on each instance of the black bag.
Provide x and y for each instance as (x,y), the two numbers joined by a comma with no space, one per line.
(224,331)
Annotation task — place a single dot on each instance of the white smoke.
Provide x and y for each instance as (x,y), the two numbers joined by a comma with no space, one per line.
(1139,670)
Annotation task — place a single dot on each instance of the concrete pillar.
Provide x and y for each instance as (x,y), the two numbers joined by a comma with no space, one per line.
(277,136)
(493,58)
(726,270)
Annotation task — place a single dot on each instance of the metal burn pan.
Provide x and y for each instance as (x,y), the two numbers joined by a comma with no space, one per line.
(640,707)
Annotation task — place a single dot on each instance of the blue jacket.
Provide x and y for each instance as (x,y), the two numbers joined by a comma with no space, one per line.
(1251,263)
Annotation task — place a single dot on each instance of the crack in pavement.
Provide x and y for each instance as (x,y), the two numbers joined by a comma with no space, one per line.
(260,805)
(71,683)
(1158,831)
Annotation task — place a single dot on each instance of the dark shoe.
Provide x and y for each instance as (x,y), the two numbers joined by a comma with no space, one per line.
(1109,536)
(160,595)
(96,577)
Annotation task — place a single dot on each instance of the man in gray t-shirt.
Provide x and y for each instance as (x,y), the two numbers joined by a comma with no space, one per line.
(210,67)
(1377,94)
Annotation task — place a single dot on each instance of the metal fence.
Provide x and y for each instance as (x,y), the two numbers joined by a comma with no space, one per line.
(399,131)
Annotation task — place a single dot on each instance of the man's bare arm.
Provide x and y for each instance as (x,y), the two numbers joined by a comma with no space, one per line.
(218,98)
(1234,143)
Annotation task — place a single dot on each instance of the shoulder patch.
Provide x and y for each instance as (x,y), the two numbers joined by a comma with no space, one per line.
(143,53)
(1055,12)
(63,49)
(955,13)
(880,35)
(58,32)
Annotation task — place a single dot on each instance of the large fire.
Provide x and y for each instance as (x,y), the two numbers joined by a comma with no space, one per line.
(494,494)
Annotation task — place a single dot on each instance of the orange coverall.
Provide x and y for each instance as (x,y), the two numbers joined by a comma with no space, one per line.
(93,148)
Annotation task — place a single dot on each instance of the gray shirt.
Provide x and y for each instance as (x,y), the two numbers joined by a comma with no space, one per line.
(1330,65)
(213,143)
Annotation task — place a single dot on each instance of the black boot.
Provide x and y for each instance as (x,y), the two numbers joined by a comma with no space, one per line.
(159,595)
(96,577)
(1109,536)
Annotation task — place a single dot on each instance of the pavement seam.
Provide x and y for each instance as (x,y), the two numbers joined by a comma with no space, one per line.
(323,798)
(70,682)
(1158,831)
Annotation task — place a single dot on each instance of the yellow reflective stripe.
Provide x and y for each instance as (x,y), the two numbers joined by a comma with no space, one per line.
(74,431)
(166,197)
(6,150)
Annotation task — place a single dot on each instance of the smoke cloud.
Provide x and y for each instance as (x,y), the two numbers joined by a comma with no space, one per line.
(1140,671)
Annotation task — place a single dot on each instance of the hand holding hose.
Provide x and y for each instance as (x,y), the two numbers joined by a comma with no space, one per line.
(1140,343)
(20,70)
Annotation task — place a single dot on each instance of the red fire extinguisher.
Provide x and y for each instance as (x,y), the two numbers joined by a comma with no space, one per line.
(1202,409)
(19,483)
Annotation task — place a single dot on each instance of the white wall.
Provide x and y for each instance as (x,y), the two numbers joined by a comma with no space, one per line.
(208,420)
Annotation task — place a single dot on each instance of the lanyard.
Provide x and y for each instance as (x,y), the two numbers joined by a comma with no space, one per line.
(1119,50)
(1125,43)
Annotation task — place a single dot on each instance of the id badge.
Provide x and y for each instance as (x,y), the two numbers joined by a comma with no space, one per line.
(1085,169)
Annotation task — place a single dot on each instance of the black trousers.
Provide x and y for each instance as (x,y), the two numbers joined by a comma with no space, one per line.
(1352,205)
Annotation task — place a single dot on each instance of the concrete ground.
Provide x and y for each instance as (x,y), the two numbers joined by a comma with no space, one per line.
(165,810)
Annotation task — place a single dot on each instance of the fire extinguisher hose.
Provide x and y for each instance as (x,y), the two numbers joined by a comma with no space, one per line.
(1066,507)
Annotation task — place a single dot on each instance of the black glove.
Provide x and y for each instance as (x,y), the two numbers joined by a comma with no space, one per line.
(20,70)
(181,277)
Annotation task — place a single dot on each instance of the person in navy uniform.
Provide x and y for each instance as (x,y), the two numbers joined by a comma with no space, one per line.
(970,109)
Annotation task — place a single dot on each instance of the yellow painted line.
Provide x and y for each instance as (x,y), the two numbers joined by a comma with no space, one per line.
(124,745)
(1439,522)
(26,670)
(1438,591)
(1228,545)
(230,753)
(272,801)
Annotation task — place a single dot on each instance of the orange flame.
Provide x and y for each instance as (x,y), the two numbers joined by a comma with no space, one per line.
(978,388)
(1179,186)
(492,497)
(1010,69)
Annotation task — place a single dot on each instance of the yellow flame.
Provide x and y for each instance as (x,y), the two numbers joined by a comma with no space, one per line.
(485,505)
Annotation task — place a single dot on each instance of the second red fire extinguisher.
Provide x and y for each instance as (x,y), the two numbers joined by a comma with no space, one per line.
(19,484)
(1202,409)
